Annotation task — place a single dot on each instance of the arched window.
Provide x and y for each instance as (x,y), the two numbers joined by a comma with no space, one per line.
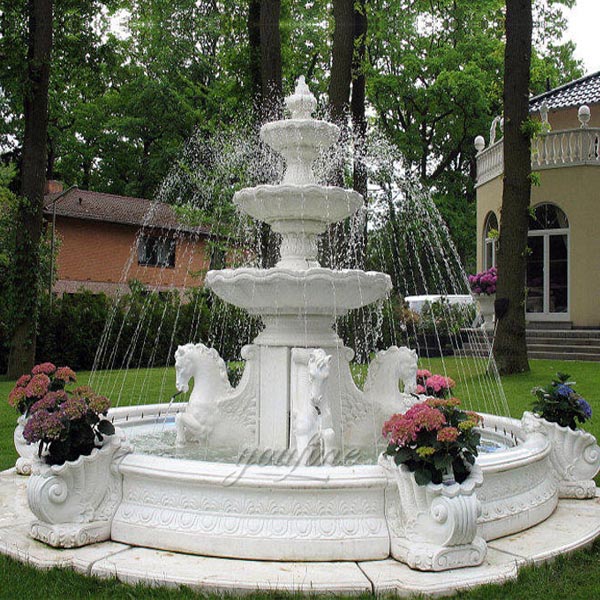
(548,264)
(547,216)
(490,240)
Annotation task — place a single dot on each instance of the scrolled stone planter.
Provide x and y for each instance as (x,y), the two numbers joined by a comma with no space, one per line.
(486,308)
(574,454)
(433,527)
(26,452)
(75,502)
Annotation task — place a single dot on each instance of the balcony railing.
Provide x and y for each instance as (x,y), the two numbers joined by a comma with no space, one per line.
(566,148)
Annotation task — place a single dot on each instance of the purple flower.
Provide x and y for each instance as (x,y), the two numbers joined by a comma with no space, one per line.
(49,402)
(74,408)
(564,390)
(585,407)
(43,425)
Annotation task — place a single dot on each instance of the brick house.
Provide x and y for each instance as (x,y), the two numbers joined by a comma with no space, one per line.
(106,240)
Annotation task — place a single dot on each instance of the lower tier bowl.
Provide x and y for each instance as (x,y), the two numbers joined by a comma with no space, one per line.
(294,513)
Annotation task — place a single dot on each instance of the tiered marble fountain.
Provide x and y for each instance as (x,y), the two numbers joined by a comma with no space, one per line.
(321,499)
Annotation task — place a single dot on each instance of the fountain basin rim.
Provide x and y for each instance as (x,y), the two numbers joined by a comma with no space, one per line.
(254,476)
(319,126)
(283,190)
(532,447)
(299,203)
(284,291)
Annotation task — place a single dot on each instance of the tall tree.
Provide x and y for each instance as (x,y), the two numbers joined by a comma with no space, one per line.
(270,59)
(341,60)
(33,178)
(510,346)
(359,121)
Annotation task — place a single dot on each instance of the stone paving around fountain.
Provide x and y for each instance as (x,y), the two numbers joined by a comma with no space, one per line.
(574,524)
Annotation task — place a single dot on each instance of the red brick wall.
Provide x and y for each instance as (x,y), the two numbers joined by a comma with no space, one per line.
(95,251)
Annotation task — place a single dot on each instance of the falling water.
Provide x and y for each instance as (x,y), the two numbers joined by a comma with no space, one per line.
(406,238)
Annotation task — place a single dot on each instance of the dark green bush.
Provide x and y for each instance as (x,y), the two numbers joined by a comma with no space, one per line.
(141,329)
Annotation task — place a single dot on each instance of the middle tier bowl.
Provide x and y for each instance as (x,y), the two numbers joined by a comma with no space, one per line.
(316,291)
(294,207)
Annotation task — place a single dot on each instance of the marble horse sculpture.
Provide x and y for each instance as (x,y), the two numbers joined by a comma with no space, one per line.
(313,426)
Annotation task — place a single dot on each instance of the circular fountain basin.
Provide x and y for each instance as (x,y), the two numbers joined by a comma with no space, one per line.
(307,208)
(315,291)
(303,513)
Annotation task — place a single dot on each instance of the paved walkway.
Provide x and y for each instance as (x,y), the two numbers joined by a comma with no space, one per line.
(575,524)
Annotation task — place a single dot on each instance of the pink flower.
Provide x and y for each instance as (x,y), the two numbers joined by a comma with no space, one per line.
(423,373)
(65,374)
(448,434)
(23,381)
(46,368)
(439,383)
(425,417)
(99,404)
(83,391)
(38,386)
(400,430)
(16,396)
(421,389)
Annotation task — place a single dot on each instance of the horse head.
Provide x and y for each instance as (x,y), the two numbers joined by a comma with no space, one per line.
(408,365)
(184,367)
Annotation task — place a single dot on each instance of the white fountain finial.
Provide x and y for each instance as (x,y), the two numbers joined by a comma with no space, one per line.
(301,103)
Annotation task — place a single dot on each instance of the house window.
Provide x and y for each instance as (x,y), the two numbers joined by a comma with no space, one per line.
(548,264)
(156,252)
(490,241)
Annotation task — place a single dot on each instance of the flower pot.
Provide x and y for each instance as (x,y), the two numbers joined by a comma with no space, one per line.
(433,527)
(76,501)
(26,452)
(486,309)
(574,453)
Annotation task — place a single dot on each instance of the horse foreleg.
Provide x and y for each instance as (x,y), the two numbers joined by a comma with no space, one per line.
(329,449)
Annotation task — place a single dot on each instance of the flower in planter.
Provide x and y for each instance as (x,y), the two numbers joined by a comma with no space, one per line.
(433,438)
(45,378)
(484,282)
(436,386)
(65,423)
(559,403)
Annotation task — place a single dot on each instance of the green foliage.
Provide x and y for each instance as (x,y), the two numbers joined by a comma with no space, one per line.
(559,403)
(142,328)
(10,237)
(531,128)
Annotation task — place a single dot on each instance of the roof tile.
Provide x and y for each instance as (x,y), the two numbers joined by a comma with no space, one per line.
(585,90)
(111,208)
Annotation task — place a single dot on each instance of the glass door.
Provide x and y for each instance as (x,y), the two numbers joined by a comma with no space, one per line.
(548,276)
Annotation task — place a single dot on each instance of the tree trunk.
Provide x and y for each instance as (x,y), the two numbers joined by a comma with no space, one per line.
(267,87)
(359,126)
(26,265)
(336,244)
(270,59)
(510,347)
(341,60)
(254,68)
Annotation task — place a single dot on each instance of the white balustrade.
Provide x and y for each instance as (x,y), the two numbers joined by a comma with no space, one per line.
(567,148)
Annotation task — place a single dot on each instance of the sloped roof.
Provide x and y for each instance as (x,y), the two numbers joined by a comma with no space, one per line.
(585,90)
(111,208)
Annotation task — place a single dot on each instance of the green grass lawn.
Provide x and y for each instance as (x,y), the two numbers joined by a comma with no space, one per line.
(575,576)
